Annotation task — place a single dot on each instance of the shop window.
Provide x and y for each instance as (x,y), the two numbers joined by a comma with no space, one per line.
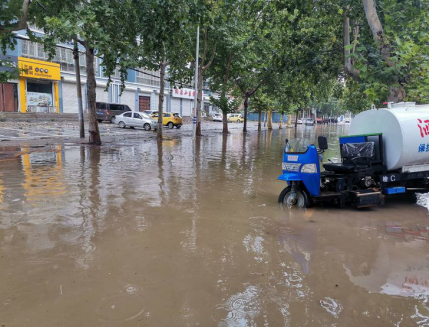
(39,94)
(39,87)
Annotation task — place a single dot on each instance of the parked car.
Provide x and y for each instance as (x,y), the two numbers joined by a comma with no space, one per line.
(152,113)
(107,111)
(235,118)
(299,121)
(169,119)
(309,122)
(135,119)
(217,117)
(172,120)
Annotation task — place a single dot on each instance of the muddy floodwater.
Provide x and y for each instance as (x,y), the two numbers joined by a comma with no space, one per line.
(191,234)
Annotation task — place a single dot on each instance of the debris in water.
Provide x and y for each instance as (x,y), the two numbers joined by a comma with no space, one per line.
(331,306)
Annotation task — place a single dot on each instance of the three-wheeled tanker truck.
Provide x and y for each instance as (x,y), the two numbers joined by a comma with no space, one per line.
(386,152)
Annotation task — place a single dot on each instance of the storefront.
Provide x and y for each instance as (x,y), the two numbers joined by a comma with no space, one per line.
(38,85)
(182,101)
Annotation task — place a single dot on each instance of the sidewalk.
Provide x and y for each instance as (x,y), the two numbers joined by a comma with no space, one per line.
(38,116)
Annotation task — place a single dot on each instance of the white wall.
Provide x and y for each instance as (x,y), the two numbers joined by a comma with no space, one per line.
(128,97)
(102,95)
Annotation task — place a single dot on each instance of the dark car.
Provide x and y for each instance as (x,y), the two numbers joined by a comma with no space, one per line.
(108,111)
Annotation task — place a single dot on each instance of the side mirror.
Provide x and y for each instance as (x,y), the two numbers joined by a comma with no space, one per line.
(323,143)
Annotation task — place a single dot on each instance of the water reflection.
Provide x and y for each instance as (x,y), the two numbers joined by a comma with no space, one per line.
(136,229)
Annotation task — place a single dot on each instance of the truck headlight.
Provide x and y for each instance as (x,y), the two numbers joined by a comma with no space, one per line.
(309,169)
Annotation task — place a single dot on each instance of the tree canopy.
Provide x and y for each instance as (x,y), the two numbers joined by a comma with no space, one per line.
(298,53)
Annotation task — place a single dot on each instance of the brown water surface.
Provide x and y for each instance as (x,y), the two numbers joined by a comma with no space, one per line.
(184,234)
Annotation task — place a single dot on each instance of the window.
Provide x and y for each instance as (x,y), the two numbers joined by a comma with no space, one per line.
(127,114)
(166,115)
(117,107)
(148,77)
(137,116)
(63,56)
(100,105)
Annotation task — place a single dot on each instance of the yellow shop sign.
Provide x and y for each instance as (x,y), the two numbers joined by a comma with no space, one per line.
(39,69)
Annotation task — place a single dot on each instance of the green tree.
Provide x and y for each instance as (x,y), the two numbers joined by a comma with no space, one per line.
(261,102)
(163,29)
(13,17)
(102,27)
(231,49)
(386,50)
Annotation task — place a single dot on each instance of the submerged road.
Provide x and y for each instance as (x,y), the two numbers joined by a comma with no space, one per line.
(138,234)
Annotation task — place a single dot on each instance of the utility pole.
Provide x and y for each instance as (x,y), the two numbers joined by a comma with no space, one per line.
(78,89)
(195,111)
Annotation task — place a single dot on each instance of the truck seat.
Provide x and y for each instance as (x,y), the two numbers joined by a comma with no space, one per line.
(356,157)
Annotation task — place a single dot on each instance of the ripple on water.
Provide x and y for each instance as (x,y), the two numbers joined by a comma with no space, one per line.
(262,223)
(126,305)
(150,272)
(240,309)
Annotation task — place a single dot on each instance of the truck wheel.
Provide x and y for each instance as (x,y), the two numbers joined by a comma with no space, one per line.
(301,201)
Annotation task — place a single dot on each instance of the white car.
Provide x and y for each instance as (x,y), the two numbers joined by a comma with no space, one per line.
(299,121)
(217,117)
(135,119)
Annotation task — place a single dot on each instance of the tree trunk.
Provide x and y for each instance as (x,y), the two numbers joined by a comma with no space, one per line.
(396,92)
(246,106)
(348,66)
(161,99)
(94,133)
(270,119)
(281,122)
(225,122)
(78,89)
(225,83)
(289,120)
(374,23)
(199,101)
(22,22)
(259,120)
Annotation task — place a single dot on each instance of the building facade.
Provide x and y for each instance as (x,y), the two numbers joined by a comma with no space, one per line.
(50,85)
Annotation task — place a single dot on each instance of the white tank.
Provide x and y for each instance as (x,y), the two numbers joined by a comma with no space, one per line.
(405,128)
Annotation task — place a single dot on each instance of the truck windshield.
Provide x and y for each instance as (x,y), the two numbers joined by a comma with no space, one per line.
(297,146)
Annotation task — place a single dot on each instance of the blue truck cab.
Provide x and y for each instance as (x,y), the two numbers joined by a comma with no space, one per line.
(356,179)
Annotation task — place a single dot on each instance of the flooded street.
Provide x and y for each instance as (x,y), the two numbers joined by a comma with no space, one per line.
(191,234)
